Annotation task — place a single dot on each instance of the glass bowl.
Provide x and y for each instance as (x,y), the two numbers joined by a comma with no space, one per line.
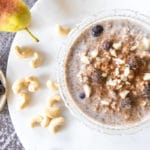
(69,102)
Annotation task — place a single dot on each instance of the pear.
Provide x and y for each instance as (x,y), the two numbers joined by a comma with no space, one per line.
(15,16)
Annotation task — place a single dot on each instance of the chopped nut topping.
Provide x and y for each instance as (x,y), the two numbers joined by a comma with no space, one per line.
(87,90)
(146,76)
(124,93)
(85,59)
(105,102)
(126,71)
(119,61)
(116,71)
(117,46)
(146,43)
(111,82)
(94,53)
(113,52)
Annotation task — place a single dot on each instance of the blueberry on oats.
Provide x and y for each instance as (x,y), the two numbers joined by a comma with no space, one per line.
(97,30)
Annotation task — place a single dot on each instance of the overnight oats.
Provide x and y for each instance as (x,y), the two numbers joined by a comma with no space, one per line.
(104,71)
(108,71)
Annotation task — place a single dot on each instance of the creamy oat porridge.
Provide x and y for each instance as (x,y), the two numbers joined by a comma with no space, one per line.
(108,71)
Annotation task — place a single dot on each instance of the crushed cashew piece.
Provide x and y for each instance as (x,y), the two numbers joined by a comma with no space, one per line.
(146,76)
(117,46)
(52,85)
(117,72)
(119,61)
(113,52)
(111,82)
(124,93)
(55,124)
(127,71)
(105,102)
(146,43)
(62,30)
(85,60)
(104,74)
(87,90)
(94,53)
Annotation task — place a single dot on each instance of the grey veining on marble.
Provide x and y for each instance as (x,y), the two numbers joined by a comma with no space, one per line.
(8,137)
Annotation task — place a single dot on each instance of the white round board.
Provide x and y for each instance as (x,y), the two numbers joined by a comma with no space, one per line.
(74,136)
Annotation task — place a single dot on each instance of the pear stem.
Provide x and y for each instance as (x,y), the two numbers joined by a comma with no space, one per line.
(33,37)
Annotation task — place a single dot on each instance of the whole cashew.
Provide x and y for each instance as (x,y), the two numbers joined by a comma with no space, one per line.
(23,53)
(36,62)
(33,83)
(62,31)
(25,100)
(19,85)
(55,123)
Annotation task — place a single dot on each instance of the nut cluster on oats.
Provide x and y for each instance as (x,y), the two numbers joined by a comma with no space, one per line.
(116,67)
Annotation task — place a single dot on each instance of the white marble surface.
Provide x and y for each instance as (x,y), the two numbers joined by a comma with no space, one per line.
(8,137)
(63,11)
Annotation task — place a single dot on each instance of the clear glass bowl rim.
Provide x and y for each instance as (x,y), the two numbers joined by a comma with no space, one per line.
(60,72)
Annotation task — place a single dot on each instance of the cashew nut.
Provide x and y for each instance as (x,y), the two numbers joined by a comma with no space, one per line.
(23,53)
(52,85)
(45,122)
(33,83)
(54,99)
(24,100)
(62,31)
(36,121)
(19,85)
(36,62)
(52,112)
(55,123)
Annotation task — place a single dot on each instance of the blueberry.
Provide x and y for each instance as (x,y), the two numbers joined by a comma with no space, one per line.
(97,30)
(82,95)
(2,89)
